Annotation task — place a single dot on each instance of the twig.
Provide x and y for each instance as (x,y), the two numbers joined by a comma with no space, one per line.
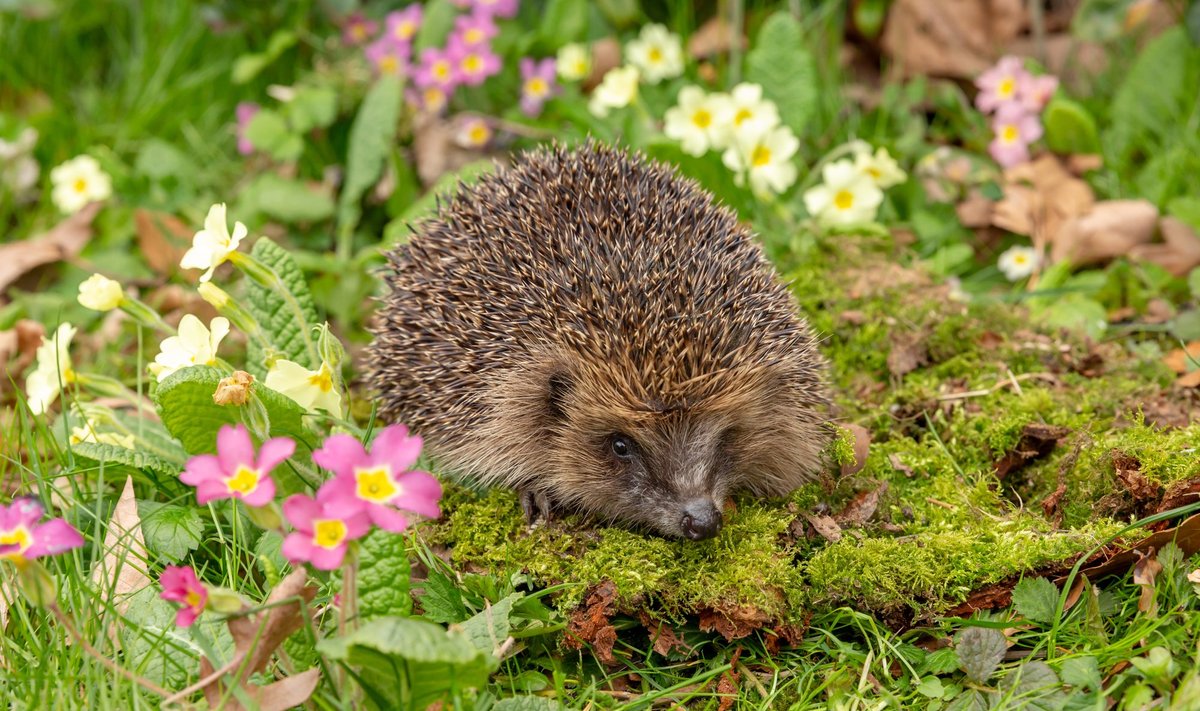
(1012,381)
(943,504)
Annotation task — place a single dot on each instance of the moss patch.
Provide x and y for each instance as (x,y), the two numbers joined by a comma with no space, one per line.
(946,524)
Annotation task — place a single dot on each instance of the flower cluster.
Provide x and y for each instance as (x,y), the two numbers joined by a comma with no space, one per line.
(1015,99)
(851,190)
(744,126)
(24,536)
(654,55)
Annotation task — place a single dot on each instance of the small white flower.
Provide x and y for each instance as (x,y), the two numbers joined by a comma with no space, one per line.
(880,167)
(53,369)
(18,169)
(87,433)
(657,52)
(847,197)
(618,89)
(78,182)
(1018,262)
(750,113)
(765,159)
(212,245)
(699,120)
(195,345)
(311,389)
(573,62)
(99,293)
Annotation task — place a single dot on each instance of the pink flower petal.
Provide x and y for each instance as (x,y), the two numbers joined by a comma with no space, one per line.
(300,510)
(357,525)
(262,494)
(201,468)
(396,448)
(52,538)
(387,518)
(211,490)
(420,495)
(327,558)
(234,447)
(25,511)
(341,454)
(186,616)
(344,502)
(274,451)
(297,547)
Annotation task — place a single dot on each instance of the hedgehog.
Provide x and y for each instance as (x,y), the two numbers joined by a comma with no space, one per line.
(592,330)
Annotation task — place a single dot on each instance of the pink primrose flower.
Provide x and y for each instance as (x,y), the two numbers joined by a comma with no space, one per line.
(379,482)
(495,8)
(358,28)
(321,534)
(438,68)
(1014,130)
(1000,85)
(475,63)
(537,84)
(235,472)
(388,57)
(23,537)
(474,29)
(1035,92)
(429,100)
(180,584)
(402,25)
(244,112)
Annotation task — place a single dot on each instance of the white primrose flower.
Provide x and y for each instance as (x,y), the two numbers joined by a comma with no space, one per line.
(87,433)
(52,371)
(618,89)
(195,345)
(847,197)
(311,389)
(573,62)
(879,166)
(764,159)
(78,182)
(212,245)
(699,120)
(750,113)
(99,293)
(1018,262)
(657,53)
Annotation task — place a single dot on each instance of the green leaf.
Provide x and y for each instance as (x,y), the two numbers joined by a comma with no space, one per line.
(1034,685)
(1036,599)
(1070,129)
(187,409)
(371,136)
(268,132)
(425,206)
(971,700)
(384,577)
(940,661)
(171,531)
(113,454)
(248,66)
(1081,672)
(785,69)
(931,687)
(1192,21)
(153,647)
(289,200)
(529,680)
(286,321)
(159,159)
(1156,96)
(436,24)
(1194,282)
(527,703)
(153,438)
(1187,209)
(312,107)
(980,650)
(1186,326)
(488,628)
(563,21)
(442,600)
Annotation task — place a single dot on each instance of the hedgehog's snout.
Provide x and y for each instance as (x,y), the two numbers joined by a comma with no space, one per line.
(701,519)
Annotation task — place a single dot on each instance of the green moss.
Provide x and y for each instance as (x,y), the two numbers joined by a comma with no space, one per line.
(841,449)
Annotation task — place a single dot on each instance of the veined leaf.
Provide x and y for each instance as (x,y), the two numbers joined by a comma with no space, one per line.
(286,321)
(171,531)
(113,454)
(785,69)
(371,136)
(980,650)
(383,578)
(1036,599)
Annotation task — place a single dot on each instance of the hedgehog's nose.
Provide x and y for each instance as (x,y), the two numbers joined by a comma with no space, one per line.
(701,519)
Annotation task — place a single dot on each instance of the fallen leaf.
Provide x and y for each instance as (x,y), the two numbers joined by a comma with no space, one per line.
(727,687)
(909,352)
(63,242)
(1129,473)
(591,624)
(1039,196)
(975,211)
(825,526)
(18,348)
(955,38)
(1181,493)
(1179,252)
(163,239)
(121,572)
(286,693)
(862,507)
(862,447)
(606,55)
(714,37)
(1110,229)
(1050,504)
(894,460)
(1145,571)
(1037,440)
(663,638)
(734,622)
(1189,380)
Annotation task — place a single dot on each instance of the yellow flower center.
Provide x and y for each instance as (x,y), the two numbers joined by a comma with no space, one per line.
(478,134)
(473,36)
(472,63)
(375,485)
(358,32)
(1006,88)
(243,481)
(405,30)
(1020,259)
(1010,134)
(20,536)
(580,67)
(388,64)
(760,157)
(741,116)
(192,598)
(441,69)
(702,118)
(80,185)
(537,87)
(434,97)
(655,55)
(843,200)
(329,532)
(874,172)
(322,379)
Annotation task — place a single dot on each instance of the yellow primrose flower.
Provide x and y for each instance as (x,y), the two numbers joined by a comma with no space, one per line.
(100,293)
(311,389)
(880,167)
(617,89)
(846,197)
(78,182)
(53,369)
(195,345)
(212,245)
(752,115)
(87,433)
(573,62)
(764,159)
(699,120)
(657,53)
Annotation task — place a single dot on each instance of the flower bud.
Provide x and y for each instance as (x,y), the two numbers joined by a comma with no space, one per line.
(331,349)
(234,390)
(224,600)
(36,583)
(213,294)
(100,293)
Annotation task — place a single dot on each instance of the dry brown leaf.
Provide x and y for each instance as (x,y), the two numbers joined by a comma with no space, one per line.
(436,152)
(825,526)
(258,636)
(975,211)
(1039,196)
(1188,380)
(714,37)
(909,352)
(122,570)
(286,693)
(163,239)
(1145,571)
(18,348)
(1179,252)
(955,38)
(1110,229)
(606,55)
(862,507)
(62,242)
(591,623)
(862,447)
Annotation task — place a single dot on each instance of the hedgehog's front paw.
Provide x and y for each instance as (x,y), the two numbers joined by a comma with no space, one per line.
(537,507)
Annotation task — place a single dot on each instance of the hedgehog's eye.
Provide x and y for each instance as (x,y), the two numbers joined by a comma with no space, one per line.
(622,446)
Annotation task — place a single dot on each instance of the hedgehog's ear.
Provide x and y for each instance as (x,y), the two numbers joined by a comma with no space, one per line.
(558,388)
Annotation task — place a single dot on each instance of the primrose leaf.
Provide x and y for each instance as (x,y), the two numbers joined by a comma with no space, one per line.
(248,66)
(785,69)
(1070,129)
(187,409)
(171,531)
(972,700)
(940,661)
(371,137)
(383,578)
(435,25)
(289,200)
(286,321)
(980,650)
(153,646)
(442,601)
(113,454)
(312,107)
(489,627)
(1034,685)
(1081,672)
(1036,599)
(268,132)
